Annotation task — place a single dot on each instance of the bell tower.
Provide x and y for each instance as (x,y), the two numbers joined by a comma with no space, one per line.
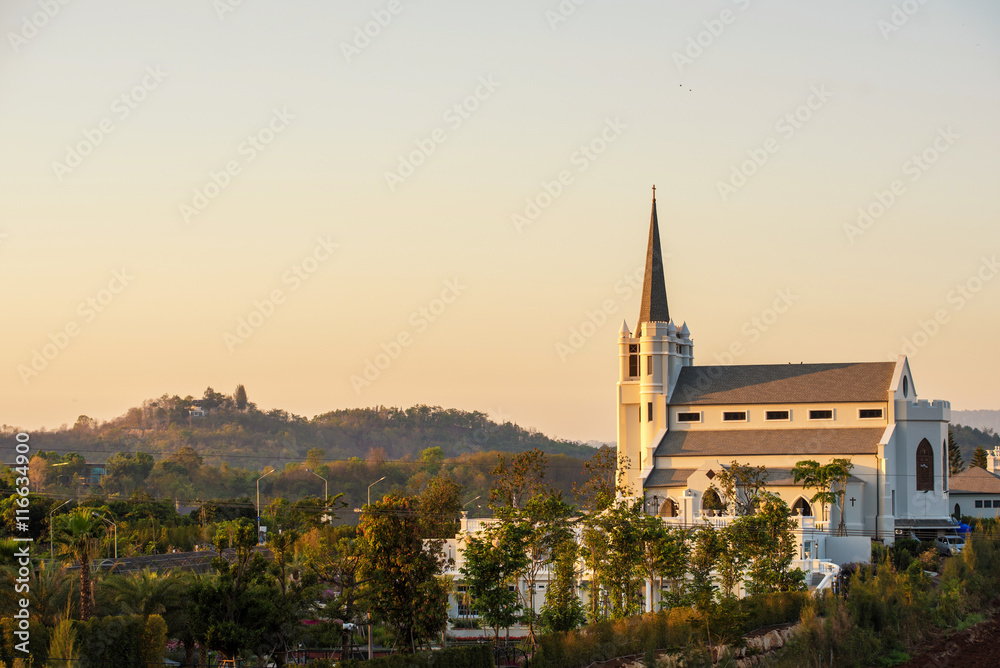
(649,361)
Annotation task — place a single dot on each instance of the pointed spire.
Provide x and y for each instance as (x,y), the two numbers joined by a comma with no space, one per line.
(654,289)
(624,332)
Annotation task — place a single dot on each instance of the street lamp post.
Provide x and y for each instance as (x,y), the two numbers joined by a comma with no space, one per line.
(370,489)
(326,490)
(258,501)
(114,527)
(52,550)
(370,648)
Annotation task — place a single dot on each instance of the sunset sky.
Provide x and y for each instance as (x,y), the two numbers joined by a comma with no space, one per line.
(200,192)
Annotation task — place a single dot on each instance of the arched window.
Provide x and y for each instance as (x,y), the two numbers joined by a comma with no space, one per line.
(958,512)
(669,508)
(944,466)
(925,466)
(802,507)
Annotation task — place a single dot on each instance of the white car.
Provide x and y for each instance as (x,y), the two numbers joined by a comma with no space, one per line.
(949,545)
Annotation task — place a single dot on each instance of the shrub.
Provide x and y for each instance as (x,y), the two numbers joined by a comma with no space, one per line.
(108,641)
(470,656)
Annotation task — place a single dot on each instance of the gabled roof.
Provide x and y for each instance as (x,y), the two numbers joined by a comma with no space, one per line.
(654,287)
(783,383)
(742,442)
(974,480)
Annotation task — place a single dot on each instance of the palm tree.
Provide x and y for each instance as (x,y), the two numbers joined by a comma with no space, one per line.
(142,593)
(79,539)
(51,590)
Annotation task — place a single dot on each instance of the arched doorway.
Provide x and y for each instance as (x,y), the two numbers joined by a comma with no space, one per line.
(669,508)
(802,508)
(712,501)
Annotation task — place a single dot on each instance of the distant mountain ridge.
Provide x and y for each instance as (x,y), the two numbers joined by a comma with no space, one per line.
(985,419)
(230,429)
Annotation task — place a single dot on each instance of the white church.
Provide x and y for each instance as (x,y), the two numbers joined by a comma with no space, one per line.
(679,424)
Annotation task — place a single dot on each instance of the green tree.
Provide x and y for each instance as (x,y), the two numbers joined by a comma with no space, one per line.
(79,536)
(517,479)
(431,460)
(955,462)
(563,610)
(314,457)
(598,490)
(771,546)
(829,479)
(127,472)
(240,397)
(613,549)
(333,555)
(741,486)
(979,458)
(543,523)
(439,506)
(403,586)
(493,559)
(664,555)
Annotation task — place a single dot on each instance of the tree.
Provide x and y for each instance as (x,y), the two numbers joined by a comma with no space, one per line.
(439,505)
(240,397)
(831,481)
(543,525)
(80,536)
(314,457)
(741,486)
(402,573)
(333,555)
(598,489)
(955,462)
(613,549)
(664,555)
(518,479)
(563,610)
(126,472)
(769,542)
(492,562)
(238,610)
(979,458)
(431,460)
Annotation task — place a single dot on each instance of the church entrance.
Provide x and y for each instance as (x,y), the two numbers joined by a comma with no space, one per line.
(669,509)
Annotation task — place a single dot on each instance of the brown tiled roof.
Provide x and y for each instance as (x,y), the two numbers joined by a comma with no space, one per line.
(974,480)
(742,442)
(669,477)
(783,383)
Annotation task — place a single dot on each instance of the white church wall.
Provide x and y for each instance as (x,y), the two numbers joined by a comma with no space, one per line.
(848,549)
(845,415)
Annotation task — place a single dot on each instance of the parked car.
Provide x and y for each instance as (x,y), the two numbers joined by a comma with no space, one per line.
(949,545)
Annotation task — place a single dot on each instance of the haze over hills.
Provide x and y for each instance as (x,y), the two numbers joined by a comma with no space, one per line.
(224,428)
(985,419)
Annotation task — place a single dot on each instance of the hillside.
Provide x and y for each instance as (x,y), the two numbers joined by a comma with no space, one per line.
(223,428)
(979,419)
(970,438)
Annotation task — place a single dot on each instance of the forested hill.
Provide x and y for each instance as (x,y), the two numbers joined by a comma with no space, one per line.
(979,419)
(969,438)
(231,429)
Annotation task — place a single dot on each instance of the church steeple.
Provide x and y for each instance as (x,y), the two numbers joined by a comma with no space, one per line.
(654,289)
